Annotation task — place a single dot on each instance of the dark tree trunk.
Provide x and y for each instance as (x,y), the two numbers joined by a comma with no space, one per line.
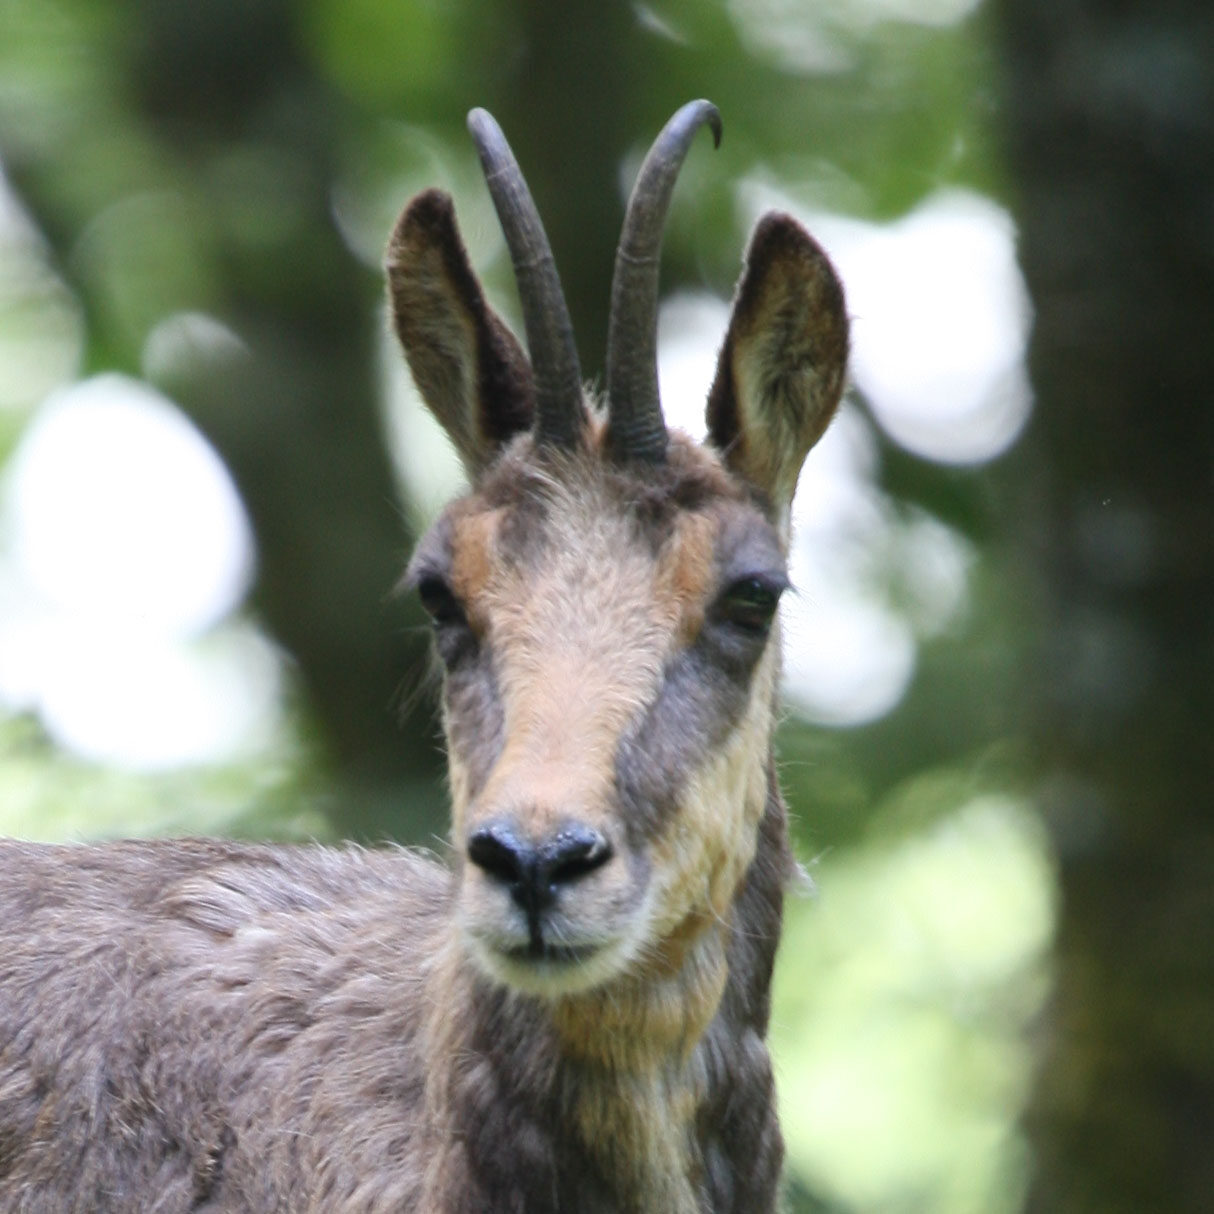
(565,109)
(297,421)
(1111,114)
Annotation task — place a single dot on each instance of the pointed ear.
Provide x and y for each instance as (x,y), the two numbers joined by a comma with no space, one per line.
(781,370)
(469,368)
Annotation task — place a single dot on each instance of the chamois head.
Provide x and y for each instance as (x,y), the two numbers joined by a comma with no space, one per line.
(604,598)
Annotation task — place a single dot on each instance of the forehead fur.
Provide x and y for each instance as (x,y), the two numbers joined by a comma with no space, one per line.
(526,483)
(691,477)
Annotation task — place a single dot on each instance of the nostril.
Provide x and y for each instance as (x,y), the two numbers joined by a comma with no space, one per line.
(495,850)
(573,854)
(534,875)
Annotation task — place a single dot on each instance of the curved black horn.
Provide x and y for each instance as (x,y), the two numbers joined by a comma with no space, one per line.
(554,361)
(635,427)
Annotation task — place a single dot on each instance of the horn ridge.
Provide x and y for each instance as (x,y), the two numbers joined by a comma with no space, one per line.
(557,375)
(635,427)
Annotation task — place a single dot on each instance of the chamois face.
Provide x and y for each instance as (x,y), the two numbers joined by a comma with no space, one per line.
(608,640)
(604,598)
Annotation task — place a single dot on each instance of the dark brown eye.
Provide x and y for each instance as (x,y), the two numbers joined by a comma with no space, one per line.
(440,603)
(453,638)
(749,604)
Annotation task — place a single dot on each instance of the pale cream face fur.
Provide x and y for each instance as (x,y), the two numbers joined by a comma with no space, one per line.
(580,634)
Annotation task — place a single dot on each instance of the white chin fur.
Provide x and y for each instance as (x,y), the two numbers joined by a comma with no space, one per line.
(552,978)
(600,959)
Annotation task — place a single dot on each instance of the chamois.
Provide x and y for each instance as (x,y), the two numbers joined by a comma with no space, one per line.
(571,1015)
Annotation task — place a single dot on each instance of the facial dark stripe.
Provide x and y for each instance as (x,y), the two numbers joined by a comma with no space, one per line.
(476,726)
(700,702)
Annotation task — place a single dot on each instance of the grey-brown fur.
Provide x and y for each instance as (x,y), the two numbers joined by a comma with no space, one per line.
(571,1017)
(205,1026)
(209,1026)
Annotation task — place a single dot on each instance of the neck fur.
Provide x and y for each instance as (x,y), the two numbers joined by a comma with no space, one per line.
(616,1091)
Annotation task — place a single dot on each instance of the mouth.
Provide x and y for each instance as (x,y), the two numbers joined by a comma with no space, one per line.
(552,952)
(545,952)
(542,966)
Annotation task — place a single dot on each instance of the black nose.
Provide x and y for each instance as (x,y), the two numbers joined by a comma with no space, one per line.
(536,873)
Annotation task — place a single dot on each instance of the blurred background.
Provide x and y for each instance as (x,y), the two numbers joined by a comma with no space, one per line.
(999,994)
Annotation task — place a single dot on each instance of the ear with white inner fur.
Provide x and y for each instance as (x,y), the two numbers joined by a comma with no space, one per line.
(469,368)
(781,370)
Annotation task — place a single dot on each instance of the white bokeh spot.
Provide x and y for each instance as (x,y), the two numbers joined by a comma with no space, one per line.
(124,553)
(121,508)
(940,319)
